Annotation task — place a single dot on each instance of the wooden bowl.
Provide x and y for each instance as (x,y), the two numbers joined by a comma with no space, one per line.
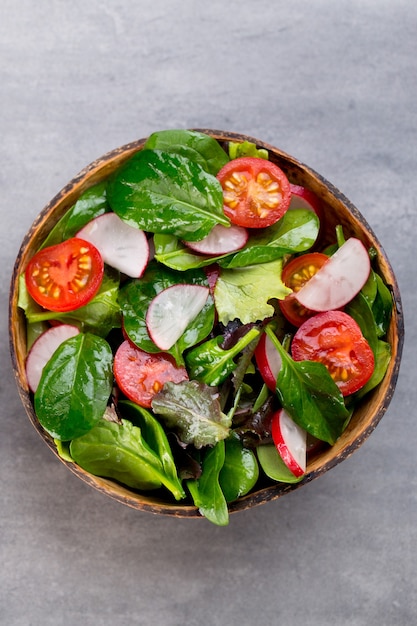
(338,210)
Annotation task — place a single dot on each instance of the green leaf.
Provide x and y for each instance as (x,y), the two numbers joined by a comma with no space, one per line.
(164,192)
(118,451)
(240,470)
(170,251)
(137,295)
(91,204)
(245,293)
(196,146)
(206,491)
(155,437)
(310,396)
(193,410)
(294,233)
(273,465)
(211,364)
(382,307)
(75,387)
(246,149)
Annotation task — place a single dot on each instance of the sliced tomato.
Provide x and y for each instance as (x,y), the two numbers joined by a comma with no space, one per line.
(140,375)
(295,274)
(335,339)
(65,276)
(256,192)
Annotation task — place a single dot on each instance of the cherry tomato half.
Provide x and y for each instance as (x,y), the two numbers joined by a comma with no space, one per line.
(65,276)
(335,339)
(140,375)
(256,192)
(294,275)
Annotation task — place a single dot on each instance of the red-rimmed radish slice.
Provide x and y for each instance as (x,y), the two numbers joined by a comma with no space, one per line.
(339,280)
(121,246)
(268,361)
(290,441)
(172,310)
(302,198)
(42,350)
(220,240)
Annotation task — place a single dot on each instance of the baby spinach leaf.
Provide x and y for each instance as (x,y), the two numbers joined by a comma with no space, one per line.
(118,451)
(206,491)
(193,410)
(273,465)
(310,396)
(194,145)
(170,251)
(245,293)
(155,437)
(382,307)
(75,386)
(164,192)
(361,311)
(98,316)
(240,469)
(136,296)
(295,232)
(212,364)
(90,204)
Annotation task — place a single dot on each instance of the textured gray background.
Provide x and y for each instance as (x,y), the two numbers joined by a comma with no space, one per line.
(334,84)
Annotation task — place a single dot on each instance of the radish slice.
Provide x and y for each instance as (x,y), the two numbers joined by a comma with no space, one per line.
(302,198)
(290,441)
(121,246)
(172,310)
(339,280)
(220,240)
(42,350)
(268,361)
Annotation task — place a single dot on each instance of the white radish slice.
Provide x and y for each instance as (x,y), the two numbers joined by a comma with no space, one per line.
(42,350)
(302,198)
(268,361)
(172,310)
(290,441)
(220,240)
(339,280)
(121,246)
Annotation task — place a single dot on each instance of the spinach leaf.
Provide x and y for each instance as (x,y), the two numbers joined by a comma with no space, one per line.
(382,306)
(90,204)
(206,491)
(193,410)
(240,469)
(212,364)
(75,386)
(196,146)
(98,316)
(164,192)
(170,251)
(245,293)
(310,396)
(155,437)
(119,451)
(136,296)
(362,313)
(295,232)
(273,465)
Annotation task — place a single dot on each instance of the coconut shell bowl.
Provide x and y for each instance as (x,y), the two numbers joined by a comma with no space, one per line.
(337,210)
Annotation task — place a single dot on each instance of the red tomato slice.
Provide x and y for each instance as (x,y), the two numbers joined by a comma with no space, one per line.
(256,192)
(65,276)
(140,375)
(294,275)
(335,339)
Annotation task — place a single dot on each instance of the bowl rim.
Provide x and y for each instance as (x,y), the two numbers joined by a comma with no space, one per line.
(99,169)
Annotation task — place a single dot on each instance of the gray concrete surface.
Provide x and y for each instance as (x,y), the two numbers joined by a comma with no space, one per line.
(334,84)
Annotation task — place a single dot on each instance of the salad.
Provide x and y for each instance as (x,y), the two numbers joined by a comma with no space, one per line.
(190,333)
